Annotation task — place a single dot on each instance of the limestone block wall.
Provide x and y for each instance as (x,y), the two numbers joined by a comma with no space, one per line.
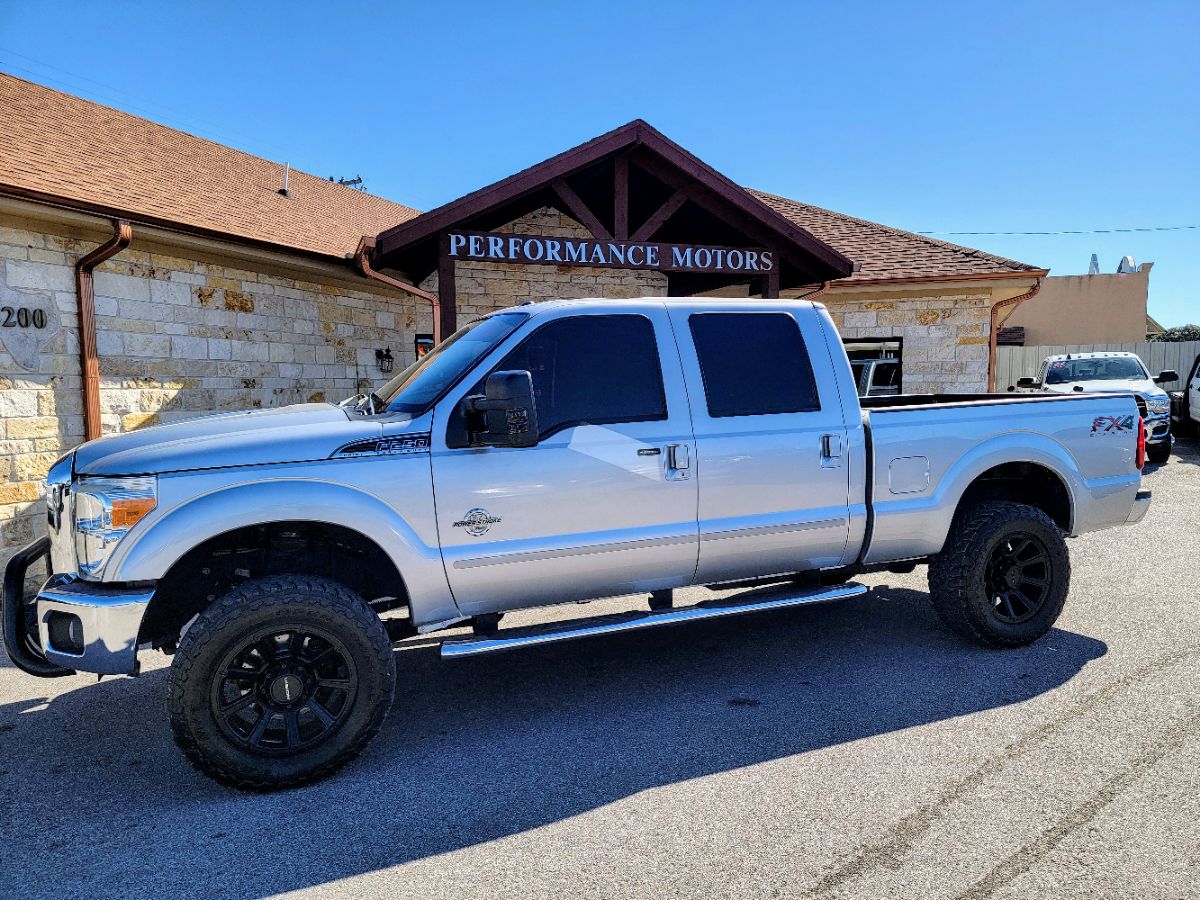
(945,335)
(179,334)
(483,287)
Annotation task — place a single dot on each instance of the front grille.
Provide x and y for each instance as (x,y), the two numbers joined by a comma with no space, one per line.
(1141,405)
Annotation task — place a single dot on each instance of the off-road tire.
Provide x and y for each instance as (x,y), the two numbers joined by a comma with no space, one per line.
(958,575)
(1158,455)
(280,603)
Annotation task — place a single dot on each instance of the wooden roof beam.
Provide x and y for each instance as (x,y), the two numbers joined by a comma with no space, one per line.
(577,208)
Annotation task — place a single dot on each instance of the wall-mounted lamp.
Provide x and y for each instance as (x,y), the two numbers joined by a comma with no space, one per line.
(384,359)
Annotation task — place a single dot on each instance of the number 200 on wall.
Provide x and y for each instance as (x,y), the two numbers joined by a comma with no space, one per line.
(22,317)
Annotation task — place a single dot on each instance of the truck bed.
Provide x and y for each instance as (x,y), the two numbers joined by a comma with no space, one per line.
(906,400)
(927,448)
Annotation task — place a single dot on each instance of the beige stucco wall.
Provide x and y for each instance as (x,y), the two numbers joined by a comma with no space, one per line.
(180,332)
(1086,309)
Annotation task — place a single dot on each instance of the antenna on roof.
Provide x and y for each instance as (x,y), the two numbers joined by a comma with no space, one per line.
(287,167)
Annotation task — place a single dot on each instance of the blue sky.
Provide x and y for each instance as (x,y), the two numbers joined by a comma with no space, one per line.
(932,117)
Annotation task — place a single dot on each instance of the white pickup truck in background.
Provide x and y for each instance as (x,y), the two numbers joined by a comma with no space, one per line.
(550,453)
(1185,404)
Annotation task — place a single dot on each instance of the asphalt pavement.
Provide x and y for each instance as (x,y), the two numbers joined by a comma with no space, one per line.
(852,750)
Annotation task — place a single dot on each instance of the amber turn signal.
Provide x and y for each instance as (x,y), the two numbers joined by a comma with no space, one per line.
(127,512)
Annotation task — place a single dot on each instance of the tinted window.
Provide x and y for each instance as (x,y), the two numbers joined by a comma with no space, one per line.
(887,374)
(1095,368)
(753,364)
(592,370)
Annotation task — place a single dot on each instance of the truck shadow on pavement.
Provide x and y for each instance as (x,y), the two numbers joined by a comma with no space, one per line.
(98,800)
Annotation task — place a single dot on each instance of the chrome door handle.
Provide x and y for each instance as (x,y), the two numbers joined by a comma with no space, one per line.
(679,461)
(831,451)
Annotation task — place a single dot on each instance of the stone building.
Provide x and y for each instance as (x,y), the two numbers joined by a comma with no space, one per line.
(229,282)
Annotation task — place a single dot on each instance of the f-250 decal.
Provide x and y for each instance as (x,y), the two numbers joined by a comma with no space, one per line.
(387,446)
(1105,424)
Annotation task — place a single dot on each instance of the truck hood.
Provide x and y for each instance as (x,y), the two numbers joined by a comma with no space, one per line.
(296,433)
(1142,386)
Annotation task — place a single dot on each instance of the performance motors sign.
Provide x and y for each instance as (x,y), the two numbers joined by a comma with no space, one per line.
(534,249)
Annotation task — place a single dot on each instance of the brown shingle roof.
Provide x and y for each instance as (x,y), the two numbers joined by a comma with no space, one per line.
(883,252)
(65,147)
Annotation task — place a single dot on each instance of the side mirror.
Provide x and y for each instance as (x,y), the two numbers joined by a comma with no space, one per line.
(505,414)
(1028,383)
(1166,375)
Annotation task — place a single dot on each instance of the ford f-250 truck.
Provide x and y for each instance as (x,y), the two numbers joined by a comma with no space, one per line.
(550,453)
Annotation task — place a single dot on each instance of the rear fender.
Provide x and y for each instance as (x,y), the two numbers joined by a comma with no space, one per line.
(908,527)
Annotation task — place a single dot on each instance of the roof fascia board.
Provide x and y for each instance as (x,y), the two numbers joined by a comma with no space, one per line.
(504,191)
(942,281)
(142,219)
(289,263)
(740,198)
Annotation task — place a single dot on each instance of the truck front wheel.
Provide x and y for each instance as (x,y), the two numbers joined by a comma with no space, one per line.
(1159,455)
(1002,578)
(280,682)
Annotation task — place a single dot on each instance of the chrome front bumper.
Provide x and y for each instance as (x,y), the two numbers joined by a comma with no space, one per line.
(71,625)
(1141,506)
(1158,430)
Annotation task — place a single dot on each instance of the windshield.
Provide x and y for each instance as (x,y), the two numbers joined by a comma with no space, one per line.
(416,388)
(1103,368)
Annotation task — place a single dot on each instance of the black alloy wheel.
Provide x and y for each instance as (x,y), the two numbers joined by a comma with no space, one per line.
(284,689)
(280,682)
(1003,574)
(1018,577)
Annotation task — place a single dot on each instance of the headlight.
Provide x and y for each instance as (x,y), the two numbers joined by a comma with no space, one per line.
(1158,405)
(105,509)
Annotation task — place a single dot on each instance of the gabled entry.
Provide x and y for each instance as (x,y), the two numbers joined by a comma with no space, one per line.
(647,204)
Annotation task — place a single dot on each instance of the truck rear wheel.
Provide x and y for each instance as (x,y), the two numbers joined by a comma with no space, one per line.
(280,682)
(1003,576)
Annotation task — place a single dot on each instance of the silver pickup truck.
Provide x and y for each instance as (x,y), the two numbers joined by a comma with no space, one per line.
(550,453)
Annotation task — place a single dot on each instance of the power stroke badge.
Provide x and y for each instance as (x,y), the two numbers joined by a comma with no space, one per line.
(477,522)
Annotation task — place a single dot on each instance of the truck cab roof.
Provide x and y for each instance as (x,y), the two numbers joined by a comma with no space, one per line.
(1096,354)
(634,304)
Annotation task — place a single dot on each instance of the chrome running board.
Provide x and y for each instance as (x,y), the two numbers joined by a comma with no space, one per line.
(513,638)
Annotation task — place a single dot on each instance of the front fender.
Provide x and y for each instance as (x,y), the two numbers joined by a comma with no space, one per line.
(910,526)
(147,554)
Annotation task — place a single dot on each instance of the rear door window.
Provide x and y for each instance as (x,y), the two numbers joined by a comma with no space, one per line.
(753,364)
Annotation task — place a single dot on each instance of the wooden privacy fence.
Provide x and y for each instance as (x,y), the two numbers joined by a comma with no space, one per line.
(1014,362)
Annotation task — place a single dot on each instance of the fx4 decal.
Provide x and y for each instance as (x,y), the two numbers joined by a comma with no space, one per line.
(1105,424)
